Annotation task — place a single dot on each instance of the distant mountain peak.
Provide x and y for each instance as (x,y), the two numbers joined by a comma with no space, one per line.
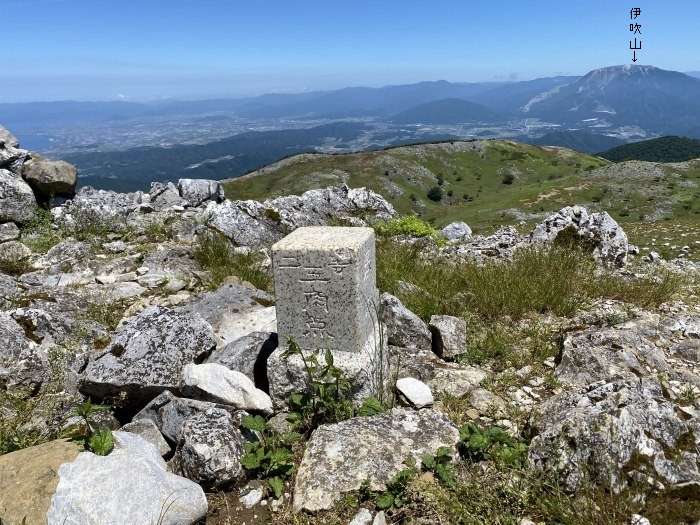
(627,72)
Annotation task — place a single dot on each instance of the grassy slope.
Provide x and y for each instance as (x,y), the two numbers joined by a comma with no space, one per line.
(650,200)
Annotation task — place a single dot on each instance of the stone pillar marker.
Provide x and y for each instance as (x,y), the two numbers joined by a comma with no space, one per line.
(326,299)
(325,288)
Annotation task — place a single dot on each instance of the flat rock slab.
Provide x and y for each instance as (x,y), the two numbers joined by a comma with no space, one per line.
(235,311)
(415,392)
(340,457)
(130,485)
(148,354)
(28,480)
(215,382)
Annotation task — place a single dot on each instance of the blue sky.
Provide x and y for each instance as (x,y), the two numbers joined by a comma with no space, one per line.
(149,49)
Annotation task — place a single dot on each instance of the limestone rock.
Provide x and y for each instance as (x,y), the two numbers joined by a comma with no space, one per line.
(487,402)
(9,291)
(23,363)
(623,351)
(244,222)
(613,247)
(415,392)
(449,335)
(215,382)
(440,376)
(57,326)
(66,257)
(14,252)
(317,207)
(251,223)
(367,371)
(456,231)
(197,191)
(147,355)
(339,457)
(614,433)
(148,430)
(210,449)
(96,489)
(609,240)
(548,230)
(17,202)
(11,157)
(501,245)
(101,208)
(248,355)
(165,195)
(7,139)
(404,328)
(28,480)
(50,177)
(234,311)
(363,517)
(8,232)
(169,413)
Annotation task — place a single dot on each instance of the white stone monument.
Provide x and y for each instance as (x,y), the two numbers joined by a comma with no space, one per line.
(326,298)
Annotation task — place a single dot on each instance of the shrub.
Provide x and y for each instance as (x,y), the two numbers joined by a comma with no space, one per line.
(508,178)
(408,225)
(435,194)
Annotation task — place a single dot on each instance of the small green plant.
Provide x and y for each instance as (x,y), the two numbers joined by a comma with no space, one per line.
(14,267)
(396,494)
(105,311)
(326,401)
(96,440)
(371,406)
(689,394)
(271,458)
(440,464)
(18,410)
(39,234)
(477,444)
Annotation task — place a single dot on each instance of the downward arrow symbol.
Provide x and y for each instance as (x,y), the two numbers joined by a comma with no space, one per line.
(634,58)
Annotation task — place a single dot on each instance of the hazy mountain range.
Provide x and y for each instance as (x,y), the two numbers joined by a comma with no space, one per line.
(603,109)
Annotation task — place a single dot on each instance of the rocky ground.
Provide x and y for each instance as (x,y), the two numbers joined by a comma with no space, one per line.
(107,297)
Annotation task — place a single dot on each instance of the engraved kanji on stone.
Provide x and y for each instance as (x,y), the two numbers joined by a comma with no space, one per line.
(316,327)
(325,302)
(314,274)
(316,299)
(339,261)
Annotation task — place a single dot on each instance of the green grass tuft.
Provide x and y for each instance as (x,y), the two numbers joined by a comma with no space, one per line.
(215,253)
